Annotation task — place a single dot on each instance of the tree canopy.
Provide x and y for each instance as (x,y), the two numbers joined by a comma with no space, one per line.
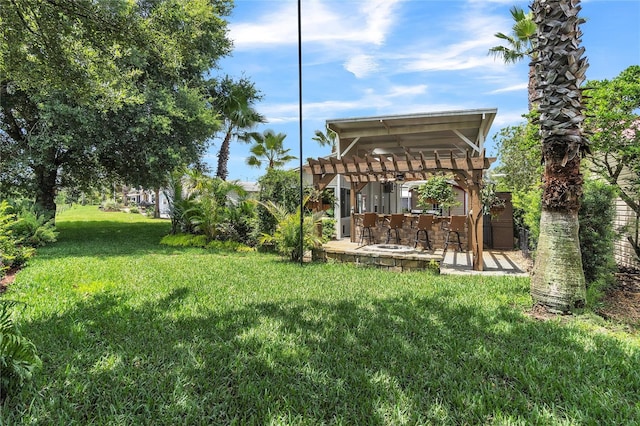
(614,124)
(92,89)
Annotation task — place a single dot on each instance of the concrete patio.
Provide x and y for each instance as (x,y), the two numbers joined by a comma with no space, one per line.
(496,262)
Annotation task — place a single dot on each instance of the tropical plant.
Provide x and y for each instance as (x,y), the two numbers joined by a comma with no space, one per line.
(519,45)
(327,138)
(437,190)
(268,149)
(13,251)
(558,281)
(33,227)
(18,356)
(286,237)
(234,101)
(283,188)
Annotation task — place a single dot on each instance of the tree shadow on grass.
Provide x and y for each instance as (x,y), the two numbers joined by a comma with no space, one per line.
(108,238)
(411,359)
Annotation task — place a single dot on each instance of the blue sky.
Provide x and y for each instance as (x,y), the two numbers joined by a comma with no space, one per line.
(380,57)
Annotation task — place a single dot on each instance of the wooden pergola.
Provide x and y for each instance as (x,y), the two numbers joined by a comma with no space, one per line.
(410,148)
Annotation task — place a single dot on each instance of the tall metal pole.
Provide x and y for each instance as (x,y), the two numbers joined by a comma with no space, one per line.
(300,131)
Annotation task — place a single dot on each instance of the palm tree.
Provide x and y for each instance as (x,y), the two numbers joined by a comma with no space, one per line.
(558,281)
(234,100)
(269,147)
(326,139)
(519,45)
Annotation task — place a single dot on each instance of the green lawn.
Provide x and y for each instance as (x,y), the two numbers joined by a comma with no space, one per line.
(131,332)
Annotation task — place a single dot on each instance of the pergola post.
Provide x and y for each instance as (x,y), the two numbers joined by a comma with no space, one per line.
(352,201)
(476,228)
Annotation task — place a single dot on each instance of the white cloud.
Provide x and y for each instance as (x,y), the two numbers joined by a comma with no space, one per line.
(508,119)
(513,88)
(361,65)
(322,22)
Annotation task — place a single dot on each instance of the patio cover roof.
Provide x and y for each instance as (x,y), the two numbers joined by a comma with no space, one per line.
(458,133)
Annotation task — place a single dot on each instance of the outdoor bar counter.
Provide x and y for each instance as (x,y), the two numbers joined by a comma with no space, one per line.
(407,234)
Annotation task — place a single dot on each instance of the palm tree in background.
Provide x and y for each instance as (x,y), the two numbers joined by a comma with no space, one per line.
(558,281)
(234,100)
(268,148)
(519,45)
(326,139)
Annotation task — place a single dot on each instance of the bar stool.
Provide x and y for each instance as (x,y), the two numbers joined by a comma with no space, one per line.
(425,222)
(369,220)
(395,224)
(455,226)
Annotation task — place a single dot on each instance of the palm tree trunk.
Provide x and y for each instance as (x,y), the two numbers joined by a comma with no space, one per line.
(223,156)
(558,281)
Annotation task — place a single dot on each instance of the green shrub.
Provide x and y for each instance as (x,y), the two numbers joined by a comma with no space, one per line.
(597,234)
(134,209)
(229,246)
(13,251)
(527,211)
(18,357)
(328,229)
(177,240)
(286,237)
(437,190)
(184,240)
(111,206)
(32,226)
(279,187)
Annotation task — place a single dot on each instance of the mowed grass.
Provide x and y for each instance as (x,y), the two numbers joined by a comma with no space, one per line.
(134,333)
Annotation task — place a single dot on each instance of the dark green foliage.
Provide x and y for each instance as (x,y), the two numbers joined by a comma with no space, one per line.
(282,188)
(597,212)
(190,240)
(32,227)
(18,357)
(13,252)
(105,88)
(240,223)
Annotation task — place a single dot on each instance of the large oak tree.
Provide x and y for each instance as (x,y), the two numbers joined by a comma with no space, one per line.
(98,88)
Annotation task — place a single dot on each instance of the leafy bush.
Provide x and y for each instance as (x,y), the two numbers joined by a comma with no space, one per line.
(328,228)
(437,190)
(190,240)
(184,240)
(286,237)
(279,187)
(111,206)
(229,246)
(134,209)
(18,357)
(527,211)
(32,226)
(597,234)
(13,252)
(240,223)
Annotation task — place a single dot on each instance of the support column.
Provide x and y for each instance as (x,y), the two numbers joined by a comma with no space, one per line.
(352,222)
(475,232)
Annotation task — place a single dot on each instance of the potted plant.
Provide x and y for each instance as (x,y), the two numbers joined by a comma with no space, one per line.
(437,190)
